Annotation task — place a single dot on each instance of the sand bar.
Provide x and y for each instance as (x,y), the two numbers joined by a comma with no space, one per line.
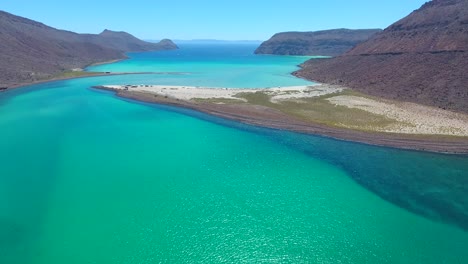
(413,126)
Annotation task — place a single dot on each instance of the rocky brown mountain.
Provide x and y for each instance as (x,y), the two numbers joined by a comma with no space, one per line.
(31,51)
(327,42)
(422,58)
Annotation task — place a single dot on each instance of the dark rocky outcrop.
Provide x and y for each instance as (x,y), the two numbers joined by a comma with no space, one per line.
(327,42)
(31,51)
(422,58)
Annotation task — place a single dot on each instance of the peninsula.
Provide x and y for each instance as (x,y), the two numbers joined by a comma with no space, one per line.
(327,110)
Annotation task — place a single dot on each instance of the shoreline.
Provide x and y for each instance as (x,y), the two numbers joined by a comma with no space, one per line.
(16,86)
(258,115)
(58,78)
(106,62)
(90,75)
(271,118)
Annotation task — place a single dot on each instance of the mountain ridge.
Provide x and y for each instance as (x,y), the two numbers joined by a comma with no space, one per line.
(32,51)
(422,58)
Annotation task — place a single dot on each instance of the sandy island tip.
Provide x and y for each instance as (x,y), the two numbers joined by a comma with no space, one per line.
(323,109)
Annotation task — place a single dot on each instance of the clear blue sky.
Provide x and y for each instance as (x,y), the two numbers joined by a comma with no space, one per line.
(211,19)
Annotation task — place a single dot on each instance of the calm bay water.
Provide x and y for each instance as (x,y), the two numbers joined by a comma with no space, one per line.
(86,177)
(232,66)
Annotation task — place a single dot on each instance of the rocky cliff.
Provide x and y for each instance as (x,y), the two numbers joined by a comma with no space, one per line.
(422,58)
(327,43)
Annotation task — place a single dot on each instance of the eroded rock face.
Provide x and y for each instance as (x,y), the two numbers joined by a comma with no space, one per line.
(327,43)
(422,58)
(31,51)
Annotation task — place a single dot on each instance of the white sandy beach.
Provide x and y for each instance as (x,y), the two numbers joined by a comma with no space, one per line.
(193,92)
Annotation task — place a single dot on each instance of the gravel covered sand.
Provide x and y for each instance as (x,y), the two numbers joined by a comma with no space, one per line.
(413,118)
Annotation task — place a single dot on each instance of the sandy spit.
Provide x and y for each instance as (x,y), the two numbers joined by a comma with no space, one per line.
(268,117)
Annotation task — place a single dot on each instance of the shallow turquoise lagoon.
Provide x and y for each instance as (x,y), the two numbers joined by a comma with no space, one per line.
(232,66)
(87,177)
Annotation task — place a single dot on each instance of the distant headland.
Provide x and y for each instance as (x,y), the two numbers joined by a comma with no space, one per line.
(326,43)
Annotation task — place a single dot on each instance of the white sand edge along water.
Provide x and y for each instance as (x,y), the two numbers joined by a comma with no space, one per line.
(411,118)
(196,92)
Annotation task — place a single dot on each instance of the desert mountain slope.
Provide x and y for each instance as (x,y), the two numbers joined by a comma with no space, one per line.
(422,58)
(31,51)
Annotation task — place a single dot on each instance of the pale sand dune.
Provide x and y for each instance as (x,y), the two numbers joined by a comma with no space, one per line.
(192,92)
(182,92)
(413,118)
(298,92)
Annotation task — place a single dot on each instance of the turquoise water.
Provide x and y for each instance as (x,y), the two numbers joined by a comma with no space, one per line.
(232,66)
(87,177)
